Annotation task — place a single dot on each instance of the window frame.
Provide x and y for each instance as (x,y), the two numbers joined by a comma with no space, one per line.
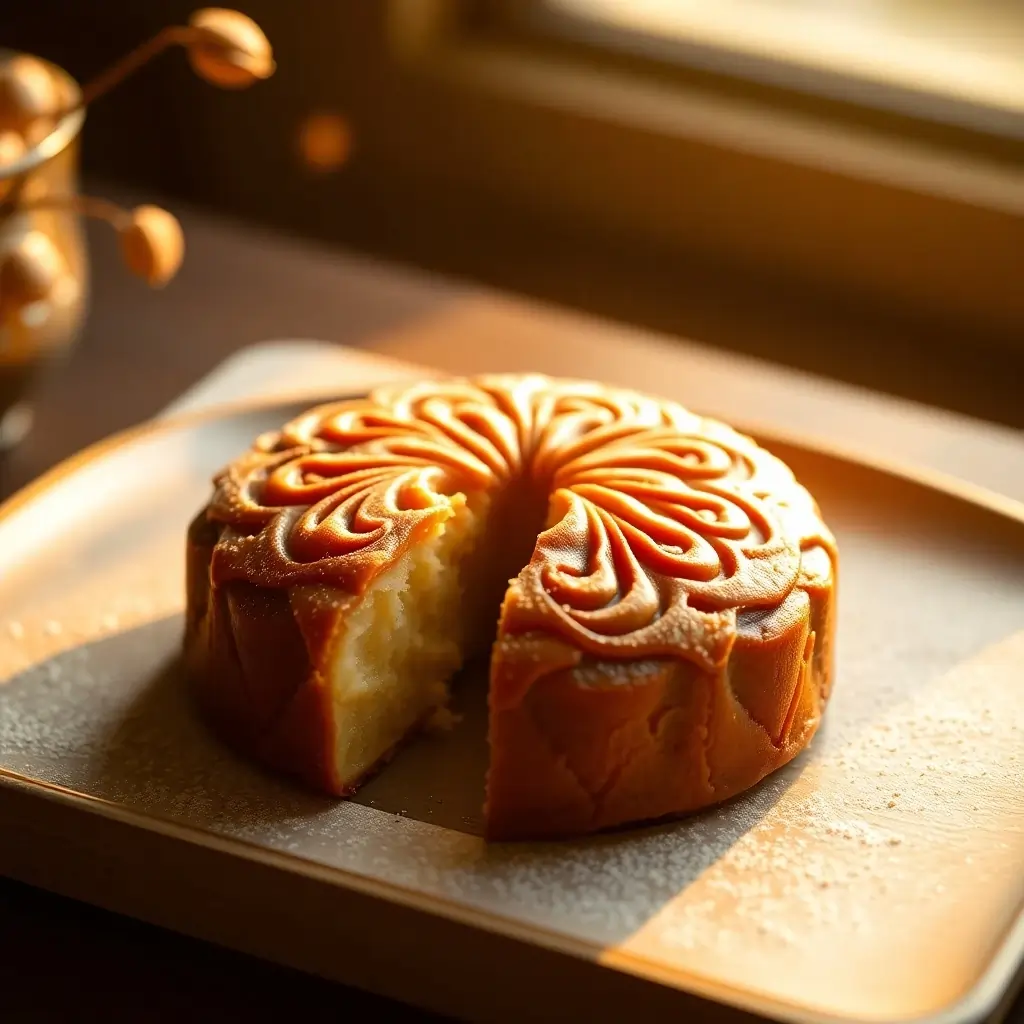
(847,89)
(932,223)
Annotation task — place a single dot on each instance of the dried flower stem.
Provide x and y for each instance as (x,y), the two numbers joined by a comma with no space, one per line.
(87,206)
(225,47)
(152,243)
(131,63)
(180,35)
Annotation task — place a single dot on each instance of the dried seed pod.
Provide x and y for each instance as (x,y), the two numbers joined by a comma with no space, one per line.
(325,142)
(12,149)
(29,270)
(228,49)
(152,244)
(28,90)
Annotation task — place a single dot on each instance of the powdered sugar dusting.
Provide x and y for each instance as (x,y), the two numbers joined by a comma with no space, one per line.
(893,829)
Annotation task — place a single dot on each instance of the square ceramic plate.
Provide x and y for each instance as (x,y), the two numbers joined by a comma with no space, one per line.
(878,877)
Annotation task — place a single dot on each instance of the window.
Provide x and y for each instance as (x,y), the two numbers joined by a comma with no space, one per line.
(960,61)
(868,149)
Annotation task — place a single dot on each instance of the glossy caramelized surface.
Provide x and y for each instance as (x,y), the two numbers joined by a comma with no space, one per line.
(666,645)
(662,525)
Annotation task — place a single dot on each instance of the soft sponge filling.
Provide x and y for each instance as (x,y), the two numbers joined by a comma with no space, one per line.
(402,644)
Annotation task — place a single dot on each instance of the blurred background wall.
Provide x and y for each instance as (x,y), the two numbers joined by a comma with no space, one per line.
(835,185)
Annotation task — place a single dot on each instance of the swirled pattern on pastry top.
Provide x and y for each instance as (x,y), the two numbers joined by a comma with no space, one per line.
(662,524)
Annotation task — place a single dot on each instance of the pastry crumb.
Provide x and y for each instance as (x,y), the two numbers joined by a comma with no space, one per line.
(443,720)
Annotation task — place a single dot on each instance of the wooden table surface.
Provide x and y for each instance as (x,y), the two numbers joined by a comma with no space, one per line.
(63,961)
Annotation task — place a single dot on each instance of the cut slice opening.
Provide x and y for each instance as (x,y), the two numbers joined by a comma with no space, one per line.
(419,622)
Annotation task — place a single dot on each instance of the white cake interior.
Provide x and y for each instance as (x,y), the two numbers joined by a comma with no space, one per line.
(402,644)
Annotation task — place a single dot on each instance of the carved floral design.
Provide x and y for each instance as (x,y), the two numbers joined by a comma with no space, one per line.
(663,524)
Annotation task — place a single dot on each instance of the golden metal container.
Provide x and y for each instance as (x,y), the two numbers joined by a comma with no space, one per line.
(33,335)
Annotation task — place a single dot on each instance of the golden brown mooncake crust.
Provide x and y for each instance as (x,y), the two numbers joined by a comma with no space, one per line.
(668,644)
